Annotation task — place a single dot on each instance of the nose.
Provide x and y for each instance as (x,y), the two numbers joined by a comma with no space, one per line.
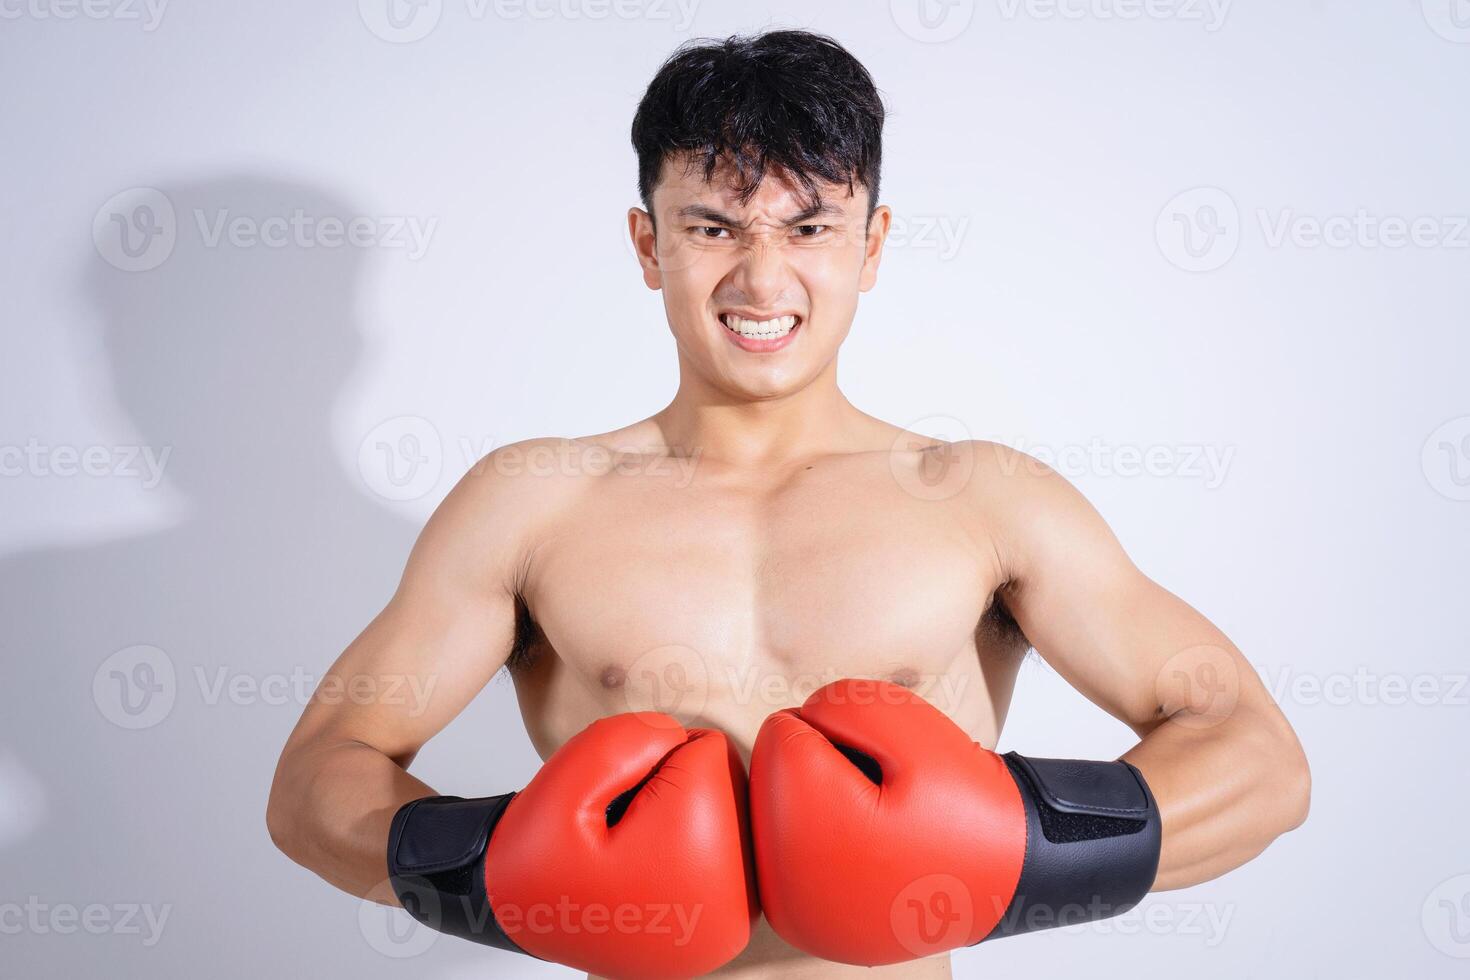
(761,274)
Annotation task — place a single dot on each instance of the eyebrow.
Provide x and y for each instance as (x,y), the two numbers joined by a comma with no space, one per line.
(720,218)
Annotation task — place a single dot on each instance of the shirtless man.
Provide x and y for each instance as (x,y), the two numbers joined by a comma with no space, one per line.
(761,536)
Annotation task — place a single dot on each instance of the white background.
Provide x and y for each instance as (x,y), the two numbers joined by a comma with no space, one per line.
(317,401)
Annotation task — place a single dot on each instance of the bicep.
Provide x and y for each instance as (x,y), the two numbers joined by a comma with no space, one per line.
(1109,630)
(441,638)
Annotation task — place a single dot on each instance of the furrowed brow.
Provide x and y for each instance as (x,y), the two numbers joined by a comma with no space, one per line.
(822,210)
(703,213)
(714,217)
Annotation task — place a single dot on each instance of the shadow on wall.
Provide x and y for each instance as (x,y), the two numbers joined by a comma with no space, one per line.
(147,793)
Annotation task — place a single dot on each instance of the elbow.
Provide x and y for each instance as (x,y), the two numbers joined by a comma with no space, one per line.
(1289,782)
(278,824)
(282,822)
(1297,795)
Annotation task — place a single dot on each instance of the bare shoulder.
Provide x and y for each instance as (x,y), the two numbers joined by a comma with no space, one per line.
(487,525)
(511,493)
(1002,470)
(1030,508)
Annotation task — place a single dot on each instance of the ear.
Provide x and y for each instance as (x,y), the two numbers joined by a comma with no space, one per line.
(641,233)
(873,247)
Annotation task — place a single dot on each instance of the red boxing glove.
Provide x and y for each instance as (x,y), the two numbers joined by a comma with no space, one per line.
(628,855)
(883,833)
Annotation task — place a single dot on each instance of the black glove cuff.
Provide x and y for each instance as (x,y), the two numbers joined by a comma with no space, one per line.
(436,863)
(1092,843)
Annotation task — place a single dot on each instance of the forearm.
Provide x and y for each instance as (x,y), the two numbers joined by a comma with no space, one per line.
(1224,791)
(330,810)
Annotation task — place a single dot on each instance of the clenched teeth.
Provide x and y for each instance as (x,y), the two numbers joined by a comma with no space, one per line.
(759,329)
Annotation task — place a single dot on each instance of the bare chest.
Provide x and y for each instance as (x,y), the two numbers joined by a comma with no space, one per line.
(746,595)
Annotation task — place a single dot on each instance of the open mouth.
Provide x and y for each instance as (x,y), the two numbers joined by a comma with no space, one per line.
(760,333)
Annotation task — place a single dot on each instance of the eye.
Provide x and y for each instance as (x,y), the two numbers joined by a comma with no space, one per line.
(810,231)
(703,231)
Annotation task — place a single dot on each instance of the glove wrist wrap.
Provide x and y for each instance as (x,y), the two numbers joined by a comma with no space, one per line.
(1092,843)
(436,864)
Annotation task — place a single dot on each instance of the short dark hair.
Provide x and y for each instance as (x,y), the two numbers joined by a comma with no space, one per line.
(792,99)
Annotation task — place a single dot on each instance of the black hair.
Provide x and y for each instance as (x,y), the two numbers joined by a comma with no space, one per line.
(792,99)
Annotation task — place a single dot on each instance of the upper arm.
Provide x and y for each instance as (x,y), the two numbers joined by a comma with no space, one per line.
(1109,630)
(447,629)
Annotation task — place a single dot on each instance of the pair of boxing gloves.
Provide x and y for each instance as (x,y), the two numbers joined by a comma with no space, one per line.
(871,830)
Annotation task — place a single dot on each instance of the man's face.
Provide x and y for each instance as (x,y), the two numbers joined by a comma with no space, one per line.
(759,297)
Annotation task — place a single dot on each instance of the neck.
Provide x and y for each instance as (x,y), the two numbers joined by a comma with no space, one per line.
(813,420)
